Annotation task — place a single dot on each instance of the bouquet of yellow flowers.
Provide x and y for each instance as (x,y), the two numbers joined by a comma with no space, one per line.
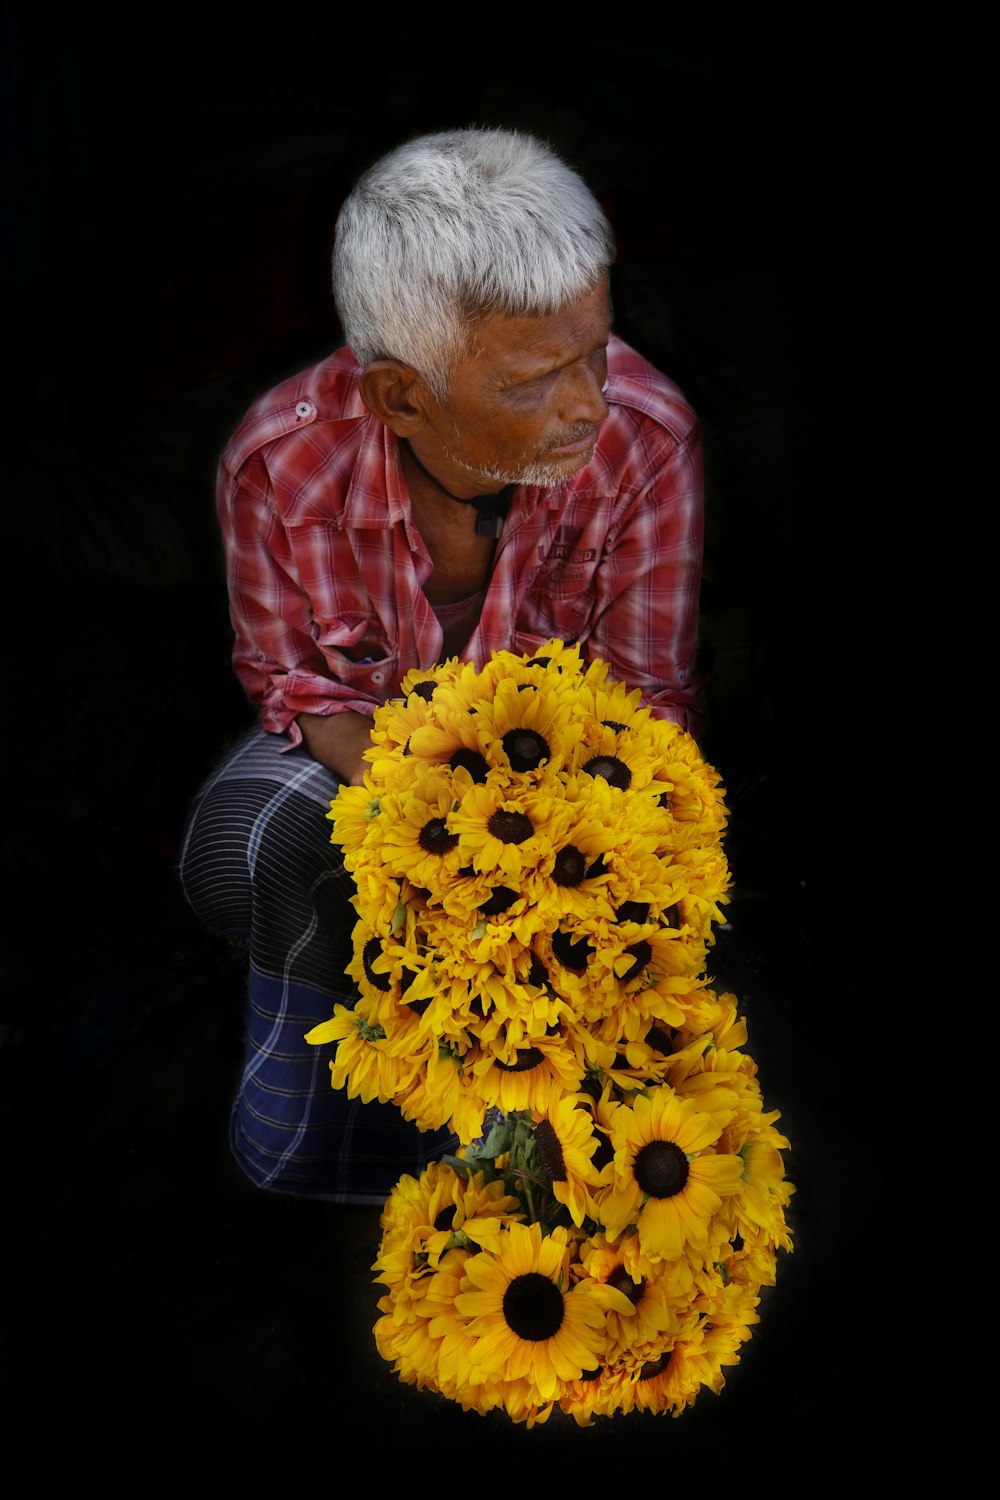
(539,864)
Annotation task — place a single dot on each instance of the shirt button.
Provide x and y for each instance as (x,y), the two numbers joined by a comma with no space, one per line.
(303,408)
(378,677)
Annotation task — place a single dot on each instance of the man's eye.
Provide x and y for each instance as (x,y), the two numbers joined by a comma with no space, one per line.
(528,388)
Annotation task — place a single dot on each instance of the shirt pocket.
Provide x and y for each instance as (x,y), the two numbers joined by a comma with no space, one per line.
(357,652)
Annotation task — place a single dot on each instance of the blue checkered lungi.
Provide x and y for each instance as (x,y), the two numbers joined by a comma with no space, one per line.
(257,863)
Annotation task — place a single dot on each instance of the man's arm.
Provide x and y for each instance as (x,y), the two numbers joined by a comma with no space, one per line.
(338,741)
(275,655)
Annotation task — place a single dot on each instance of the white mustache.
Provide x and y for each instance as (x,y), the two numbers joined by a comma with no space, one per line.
(572,435)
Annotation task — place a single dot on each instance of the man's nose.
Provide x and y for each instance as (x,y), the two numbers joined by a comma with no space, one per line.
(582,396)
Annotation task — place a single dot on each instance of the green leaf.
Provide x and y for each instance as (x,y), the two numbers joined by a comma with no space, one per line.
(463,1168)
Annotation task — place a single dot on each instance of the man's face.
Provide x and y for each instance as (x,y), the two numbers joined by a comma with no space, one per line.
(525,405)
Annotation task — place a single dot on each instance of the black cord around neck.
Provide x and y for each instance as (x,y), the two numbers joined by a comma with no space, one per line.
(491,509)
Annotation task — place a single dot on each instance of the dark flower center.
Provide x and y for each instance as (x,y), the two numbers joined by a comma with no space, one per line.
(538,973)
(501,898)
(446,1217)
(659,1040)
(672,916)
(633,911)
(654,1367)
(424,690)
(435,838)
(614,724)
(573,953)
(527,1058)
(661,1169)
(640,954)
(539,661)
(622,1282)
(369,953)
(614,771)
(525,749)
(533,1307)
(476,764)
(510,827)
(570,866)
(550,1152)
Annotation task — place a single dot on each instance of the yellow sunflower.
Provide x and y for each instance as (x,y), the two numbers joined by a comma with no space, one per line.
(534,1078)
(432,1095)
(611,704)
(724,1316)
(503,830)
(422,1215)
(652,1315)
(529,729)
(352,813)
(408,1334)
(566,1142)
(689,789)
(451,738)
(393,724)
(418,839)
(665,1178)
(529,1323)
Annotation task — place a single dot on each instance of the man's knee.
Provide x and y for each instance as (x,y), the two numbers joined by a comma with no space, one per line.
(257,860)
(212,866)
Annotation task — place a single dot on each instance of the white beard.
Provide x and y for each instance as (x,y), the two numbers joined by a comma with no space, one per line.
(534,471)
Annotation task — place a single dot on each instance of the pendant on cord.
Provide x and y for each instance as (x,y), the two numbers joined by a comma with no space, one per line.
(491,509)
(489,522)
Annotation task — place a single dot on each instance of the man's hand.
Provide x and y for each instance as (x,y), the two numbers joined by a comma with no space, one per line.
(338,741)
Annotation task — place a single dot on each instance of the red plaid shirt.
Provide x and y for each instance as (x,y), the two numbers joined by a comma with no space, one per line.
(326,567)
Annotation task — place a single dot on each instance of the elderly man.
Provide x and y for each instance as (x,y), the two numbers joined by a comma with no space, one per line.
(484,466)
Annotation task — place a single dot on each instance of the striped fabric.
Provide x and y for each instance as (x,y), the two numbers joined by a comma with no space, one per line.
(257,863)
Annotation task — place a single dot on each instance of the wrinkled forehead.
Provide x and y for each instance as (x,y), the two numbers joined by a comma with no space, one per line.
(520,345)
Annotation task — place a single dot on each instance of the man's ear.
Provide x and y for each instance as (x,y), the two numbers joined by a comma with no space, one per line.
(397,394)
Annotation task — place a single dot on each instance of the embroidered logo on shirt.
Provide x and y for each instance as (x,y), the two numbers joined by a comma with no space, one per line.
(565,547)
(565,550)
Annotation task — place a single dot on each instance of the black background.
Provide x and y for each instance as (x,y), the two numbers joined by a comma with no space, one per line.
(169,215)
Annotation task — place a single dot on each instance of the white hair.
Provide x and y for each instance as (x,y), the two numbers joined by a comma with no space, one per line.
(456,226)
